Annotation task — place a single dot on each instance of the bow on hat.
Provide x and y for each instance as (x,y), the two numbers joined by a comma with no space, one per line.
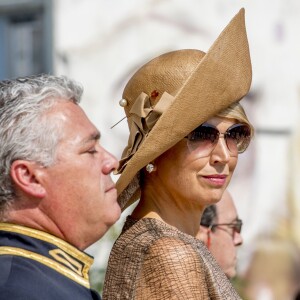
(143,117)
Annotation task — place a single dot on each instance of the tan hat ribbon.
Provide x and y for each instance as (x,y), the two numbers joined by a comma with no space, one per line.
(143,117)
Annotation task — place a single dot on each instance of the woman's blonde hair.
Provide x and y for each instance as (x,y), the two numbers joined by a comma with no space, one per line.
(237,112)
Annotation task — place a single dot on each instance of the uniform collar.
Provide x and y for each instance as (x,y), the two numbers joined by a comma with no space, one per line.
(49,250)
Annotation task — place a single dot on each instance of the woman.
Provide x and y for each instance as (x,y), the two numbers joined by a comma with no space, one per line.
(186,130)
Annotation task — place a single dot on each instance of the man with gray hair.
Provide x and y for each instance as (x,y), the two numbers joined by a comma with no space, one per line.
(56,194)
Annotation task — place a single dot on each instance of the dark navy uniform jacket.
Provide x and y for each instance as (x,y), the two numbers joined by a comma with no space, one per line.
(35,265)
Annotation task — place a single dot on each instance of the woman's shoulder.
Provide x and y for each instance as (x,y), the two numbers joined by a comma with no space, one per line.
(158,237)
(143,234)
(174,268)
(154,229)
(172,250)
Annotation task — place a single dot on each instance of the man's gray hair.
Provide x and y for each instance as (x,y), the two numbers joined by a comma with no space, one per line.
(25,132)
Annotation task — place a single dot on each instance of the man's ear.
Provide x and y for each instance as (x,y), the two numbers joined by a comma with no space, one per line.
(203,234)
(25,175)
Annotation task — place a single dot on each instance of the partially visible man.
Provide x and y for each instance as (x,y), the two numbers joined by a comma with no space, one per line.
(220,229)
(56,193)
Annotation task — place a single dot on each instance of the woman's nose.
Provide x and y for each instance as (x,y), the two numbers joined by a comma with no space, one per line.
(220,153)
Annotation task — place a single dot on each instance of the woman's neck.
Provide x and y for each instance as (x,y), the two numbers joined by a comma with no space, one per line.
(159,204)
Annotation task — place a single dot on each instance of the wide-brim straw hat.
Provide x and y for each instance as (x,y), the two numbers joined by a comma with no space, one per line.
(174,93)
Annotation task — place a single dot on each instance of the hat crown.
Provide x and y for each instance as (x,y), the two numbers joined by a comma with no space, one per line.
(165,73)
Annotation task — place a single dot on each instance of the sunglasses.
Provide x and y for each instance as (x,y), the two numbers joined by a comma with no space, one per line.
(205,137)
(236,226)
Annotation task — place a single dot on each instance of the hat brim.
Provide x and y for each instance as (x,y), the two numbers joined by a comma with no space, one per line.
(222,77)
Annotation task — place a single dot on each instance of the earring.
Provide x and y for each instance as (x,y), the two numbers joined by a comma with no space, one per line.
(150,168)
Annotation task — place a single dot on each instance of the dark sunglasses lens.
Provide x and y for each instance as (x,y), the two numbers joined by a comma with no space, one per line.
(204,133)
(238,138)
(203,139)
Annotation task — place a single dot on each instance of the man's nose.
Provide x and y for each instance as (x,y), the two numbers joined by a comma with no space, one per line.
(110,163)
(238,239)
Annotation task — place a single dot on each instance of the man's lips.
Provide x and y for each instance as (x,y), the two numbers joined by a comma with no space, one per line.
(112,187)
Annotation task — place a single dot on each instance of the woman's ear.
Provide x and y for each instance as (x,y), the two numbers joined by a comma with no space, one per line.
(25,175)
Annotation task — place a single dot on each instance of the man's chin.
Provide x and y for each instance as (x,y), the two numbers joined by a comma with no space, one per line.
(115,213)
(231,274)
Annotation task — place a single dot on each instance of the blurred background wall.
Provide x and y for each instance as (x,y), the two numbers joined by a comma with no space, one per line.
(100,43)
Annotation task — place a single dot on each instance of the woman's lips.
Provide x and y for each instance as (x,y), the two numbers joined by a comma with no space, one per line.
(217,180)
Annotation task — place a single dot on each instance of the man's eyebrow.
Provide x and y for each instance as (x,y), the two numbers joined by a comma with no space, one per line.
(234,219)
(95,136)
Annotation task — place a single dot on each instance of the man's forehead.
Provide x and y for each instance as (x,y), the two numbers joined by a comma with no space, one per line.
(226,212)
(77,128)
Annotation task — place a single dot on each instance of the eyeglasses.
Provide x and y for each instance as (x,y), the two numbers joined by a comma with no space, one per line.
(236,226)
(205,137)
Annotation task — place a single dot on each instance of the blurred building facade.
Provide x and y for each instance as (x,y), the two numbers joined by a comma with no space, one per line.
(101,43)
